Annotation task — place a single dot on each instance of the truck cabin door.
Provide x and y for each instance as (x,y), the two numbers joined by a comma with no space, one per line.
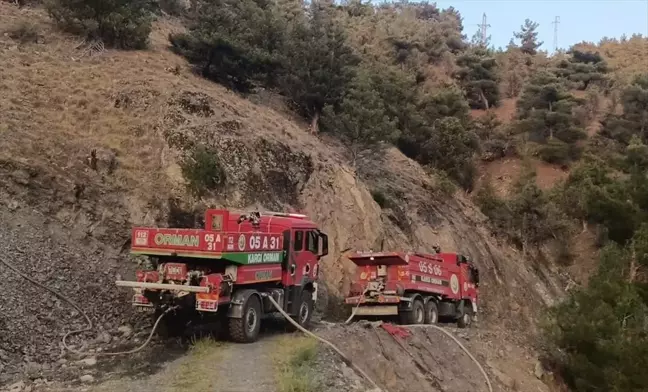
(311,255)
(301,249)
(296,254)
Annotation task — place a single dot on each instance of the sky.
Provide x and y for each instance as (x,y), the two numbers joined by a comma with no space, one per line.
(580,20)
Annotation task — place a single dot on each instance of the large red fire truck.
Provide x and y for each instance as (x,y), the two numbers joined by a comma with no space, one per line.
(418,288)
(229,269)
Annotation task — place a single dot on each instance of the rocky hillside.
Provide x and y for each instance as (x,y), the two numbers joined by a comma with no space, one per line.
(95,141)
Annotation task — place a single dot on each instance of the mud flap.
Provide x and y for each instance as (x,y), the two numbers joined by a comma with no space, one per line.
(238,300)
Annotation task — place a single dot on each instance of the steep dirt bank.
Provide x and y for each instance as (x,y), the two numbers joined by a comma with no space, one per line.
(422,359)
(66,221)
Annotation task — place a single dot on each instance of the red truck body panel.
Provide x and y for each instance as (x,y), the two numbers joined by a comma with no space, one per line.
(440,274)
(265,248)
(223,234)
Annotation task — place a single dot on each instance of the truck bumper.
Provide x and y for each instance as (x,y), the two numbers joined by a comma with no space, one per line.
(162,286)
(205,300)
(380,299)
(378,310)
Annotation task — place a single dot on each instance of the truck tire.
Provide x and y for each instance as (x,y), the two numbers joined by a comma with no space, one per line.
(414,316)
(304,311)
(246,329)
(465,318)
(431,312)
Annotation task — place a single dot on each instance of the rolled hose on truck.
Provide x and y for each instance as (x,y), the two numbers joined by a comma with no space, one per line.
(90,326)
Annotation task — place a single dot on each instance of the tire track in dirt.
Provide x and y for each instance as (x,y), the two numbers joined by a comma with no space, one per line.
(247,367)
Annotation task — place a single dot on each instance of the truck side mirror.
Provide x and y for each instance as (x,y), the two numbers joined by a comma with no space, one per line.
(324,249)
(475,275)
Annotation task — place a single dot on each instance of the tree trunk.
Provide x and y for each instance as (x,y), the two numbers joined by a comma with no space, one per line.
(315,123)
(483,98)
(550,129)
(210,60)
(633,266)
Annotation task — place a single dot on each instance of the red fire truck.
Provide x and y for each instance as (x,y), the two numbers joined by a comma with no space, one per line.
(418,288)
(229,269)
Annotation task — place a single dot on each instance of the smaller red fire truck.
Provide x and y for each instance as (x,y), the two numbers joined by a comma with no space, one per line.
(418,288)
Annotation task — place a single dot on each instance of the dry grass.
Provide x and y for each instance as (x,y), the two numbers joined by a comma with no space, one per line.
(505,112)
(24,32)
(59,104)
(626,58)
(294,358)
(503,173)
(192,374)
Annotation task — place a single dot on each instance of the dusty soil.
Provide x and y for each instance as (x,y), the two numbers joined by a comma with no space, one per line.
(505,112)
(503,173)
(426,360)
(67,223)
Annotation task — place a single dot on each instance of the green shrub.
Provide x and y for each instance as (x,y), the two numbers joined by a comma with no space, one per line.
(379,198)
(124,24)
(171,7)
(203,171)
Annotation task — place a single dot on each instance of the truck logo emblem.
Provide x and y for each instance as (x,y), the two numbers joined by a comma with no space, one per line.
(454,284)
(141,237)
(241,242)
(177,240)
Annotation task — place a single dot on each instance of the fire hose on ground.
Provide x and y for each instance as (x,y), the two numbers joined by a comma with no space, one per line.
(346,359)
(90,325)
(465,350)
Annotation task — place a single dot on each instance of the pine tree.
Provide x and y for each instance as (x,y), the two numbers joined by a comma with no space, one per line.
(362,121)
(478,78)
(634,120)
(478,41)
(583,69)
(124,24)
(528,37)
(233,42)
(319,65)
(545,114)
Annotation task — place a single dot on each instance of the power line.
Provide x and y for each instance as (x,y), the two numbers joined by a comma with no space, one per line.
(555,23)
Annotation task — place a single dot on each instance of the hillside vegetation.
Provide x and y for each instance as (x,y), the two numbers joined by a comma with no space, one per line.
(380,116)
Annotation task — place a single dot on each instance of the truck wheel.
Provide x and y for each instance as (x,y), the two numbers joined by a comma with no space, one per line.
(465,319)
(431,312)
(246,329)
(414,316)
(304,311)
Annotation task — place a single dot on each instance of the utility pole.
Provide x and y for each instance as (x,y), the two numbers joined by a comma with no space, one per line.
(555,23)
(482,32)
